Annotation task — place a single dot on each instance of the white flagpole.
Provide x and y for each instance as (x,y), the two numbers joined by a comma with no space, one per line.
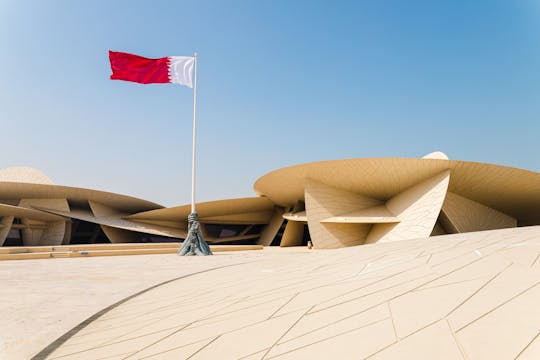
(194,243)
(193,165)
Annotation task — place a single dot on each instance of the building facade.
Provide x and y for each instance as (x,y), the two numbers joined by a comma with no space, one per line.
(334,204)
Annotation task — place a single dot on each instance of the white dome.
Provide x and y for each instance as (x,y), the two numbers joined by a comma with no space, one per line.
(24,174)
(436,155)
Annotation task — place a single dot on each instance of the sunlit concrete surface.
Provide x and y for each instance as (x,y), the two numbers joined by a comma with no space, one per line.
(42,299)
(461,296)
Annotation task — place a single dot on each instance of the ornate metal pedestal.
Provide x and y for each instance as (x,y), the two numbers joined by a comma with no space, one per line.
(194,243)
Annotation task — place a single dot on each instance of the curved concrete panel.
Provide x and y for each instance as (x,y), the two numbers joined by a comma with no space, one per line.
(261,217)
(517,191)
(377,178)
(372,215)
(23,212)
(75,196)
(514,192)
(416,208)
(114,234)
(293,235)
(270,231)
(296,216)
(210,209)
(5,226)
(32,232)
(464,215)
(52,233)
(120,223)
(323,202)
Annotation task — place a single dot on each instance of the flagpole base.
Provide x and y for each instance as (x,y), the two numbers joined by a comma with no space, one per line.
(194,245)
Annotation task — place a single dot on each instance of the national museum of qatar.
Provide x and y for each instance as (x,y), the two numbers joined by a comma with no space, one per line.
(333,204)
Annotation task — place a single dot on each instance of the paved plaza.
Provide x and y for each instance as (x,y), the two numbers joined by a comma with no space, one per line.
(463,296)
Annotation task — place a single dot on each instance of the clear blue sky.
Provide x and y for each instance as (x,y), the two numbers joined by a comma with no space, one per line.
(280,83)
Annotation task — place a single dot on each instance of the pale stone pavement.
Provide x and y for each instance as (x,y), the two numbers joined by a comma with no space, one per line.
(464,296)
(42,299)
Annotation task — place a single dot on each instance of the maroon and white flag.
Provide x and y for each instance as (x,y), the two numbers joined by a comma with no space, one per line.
(171,69)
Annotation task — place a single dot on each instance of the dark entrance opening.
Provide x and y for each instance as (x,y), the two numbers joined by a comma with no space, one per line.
(84,232)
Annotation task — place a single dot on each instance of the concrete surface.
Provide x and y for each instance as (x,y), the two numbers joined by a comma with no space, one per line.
(463,296)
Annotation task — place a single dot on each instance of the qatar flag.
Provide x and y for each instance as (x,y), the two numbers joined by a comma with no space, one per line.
(171,69)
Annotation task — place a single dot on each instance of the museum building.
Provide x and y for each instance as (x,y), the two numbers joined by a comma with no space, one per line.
(334,204)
